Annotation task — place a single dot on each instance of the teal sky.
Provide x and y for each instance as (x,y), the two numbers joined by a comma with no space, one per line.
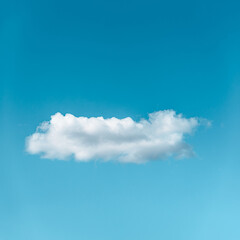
(120,59)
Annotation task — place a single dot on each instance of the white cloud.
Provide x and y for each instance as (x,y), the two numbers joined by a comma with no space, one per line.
(124,140)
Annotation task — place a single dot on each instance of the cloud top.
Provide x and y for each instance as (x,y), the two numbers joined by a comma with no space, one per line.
(125,140)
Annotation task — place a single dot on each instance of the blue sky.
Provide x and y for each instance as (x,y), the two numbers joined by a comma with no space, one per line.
(120,59)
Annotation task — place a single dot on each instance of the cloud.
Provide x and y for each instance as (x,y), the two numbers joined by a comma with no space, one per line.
(125,140)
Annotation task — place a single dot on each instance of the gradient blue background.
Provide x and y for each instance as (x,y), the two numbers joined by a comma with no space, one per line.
(120,58)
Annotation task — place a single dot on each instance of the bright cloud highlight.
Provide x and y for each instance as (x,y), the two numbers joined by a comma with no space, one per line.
(125,140)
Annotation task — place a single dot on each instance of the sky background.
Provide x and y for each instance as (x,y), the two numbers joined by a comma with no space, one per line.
(120,58)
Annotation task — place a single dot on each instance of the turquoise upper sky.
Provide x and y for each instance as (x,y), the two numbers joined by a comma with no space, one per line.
(120,59)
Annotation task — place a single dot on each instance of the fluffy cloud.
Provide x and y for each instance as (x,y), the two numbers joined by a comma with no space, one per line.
(124,140)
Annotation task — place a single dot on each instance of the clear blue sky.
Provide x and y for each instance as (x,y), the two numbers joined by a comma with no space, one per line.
(120,58)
